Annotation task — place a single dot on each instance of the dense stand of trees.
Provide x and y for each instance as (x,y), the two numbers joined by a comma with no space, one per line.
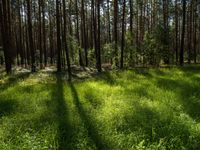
(89,33)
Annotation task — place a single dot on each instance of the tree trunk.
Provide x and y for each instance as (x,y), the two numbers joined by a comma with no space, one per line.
(195,16)
(40,35)
(99,40)
(58,36)
(183,34)
(65,42)
(21,50)
(84,41)
(176,31)
(109,30)
(123,28)
(44,32)
(77,34)
(6,34)
(30,34)
(115,31)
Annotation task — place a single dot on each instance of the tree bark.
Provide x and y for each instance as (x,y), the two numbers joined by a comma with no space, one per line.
(183,34)
(6,35)
(58,36)
(115,31)
(123,28)
(65,42)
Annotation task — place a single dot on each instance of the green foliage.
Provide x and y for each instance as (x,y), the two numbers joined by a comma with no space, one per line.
(135,109)
(91,57)
(156,46)
(108,51)
(130,49)
(152,49)
(73,49)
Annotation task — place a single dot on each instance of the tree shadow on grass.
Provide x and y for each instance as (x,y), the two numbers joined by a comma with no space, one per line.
(106,77)
(59,107)
(13,79)
(143,72)
(190,69)
(148,125)
(7,107)
(94,100)
(91,129)
(188,94)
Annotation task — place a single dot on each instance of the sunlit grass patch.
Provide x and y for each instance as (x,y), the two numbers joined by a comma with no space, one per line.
(133,109)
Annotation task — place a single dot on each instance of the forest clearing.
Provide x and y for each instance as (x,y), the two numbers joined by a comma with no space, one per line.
(99,74)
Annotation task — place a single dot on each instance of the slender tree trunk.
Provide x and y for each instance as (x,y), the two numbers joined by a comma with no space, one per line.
(123,28)
(195,31)
(131,28)
(51,39)
(84,41)
(166,32)
(176,31)
(99,40)
(44,32)
(20,34)
(94,32)
(58,36)
(77,34)
(65,42)
(115,31)
(30,34)
(189,22)
(40,35)
(109,30)
(183,34)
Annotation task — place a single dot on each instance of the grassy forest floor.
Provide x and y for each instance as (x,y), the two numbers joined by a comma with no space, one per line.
(117,110)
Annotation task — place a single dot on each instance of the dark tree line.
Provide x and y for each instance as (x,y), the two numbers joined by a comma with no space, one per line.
(96,33)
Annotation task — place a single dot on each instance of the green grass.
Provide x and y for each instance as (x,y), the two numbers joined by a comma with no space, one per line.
(135,109)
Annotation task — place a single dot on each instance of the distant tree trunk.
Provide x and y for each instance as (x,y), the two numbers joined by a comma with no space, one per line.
(99,40)
(195,16)
(123,28)
(137,32)
(65,42)
(58,36)
(189,23)
(115,30)
(51,39)
(84,41)
(176,31)
(94,31)
(109,30)
(30,36)
(27,44)
(131,15)
(183,34)
(91,28)
(77,34)
(44,32)
(20,34)
(131,27)
(6,33)
(166,32)
(40,35)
